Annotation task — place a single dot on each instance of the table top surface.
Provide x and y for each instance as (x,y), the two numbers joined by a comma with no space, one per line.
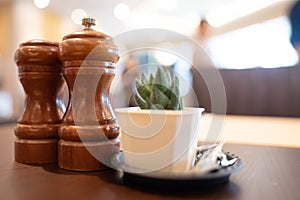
(271,171)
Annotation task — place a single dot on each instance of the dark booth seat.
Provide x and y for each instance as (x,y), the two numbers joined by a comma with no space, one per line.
(256,91)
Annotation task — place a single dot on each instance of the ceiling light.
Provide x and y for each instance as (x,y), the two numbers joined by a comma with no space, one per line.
(41,3)
(167,5)
(165,58)
(77,15)
(121,11)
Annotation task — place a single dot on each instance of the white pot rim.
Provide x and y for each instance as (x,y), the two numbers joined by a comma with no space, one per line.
(138,110)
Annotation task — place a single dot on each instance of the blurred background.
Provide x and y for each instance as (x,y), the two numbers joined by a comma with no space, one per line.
(237,34)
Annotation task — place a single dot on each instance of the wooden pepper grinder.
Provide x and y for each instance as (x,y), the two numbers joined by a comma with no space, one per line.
(88,134)
(40,74)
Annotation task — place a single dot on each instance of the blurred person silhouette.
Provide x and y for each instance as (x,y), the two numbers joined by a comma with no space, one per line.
(201,55)
(203,62)
(294,16)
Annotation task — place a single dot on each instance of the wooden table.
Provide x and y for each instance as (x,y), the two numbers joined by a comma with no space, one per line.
(270,172)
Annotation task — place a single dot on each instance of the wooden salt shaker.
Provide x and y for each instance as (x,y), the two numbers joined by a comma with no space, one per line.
(88,134)
(40,75)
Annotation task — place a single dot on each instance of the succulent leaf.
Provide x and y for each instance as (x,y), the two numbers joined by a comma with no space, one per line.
(180,104)
(168,77)
(141,102)
(142,90)
(175,85)
(160,97)
(151,79)
(158,92)
(144,79)
(160,77)
(156,107)
(174,100)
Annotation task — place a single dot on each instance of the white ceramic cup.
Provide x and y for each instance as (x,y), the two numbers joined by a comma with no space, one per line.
(159,139)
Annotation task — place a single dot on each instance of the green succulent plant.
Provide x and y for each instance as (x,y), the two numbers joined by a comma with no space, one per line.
(159,91)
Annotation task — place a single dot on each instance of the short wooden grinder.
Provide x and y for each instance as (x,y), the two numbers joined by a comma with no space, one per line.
(41,78)
(88,133)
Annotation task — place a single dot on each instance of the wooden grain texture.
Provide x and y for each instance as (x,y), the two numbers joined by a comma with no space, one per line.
(36,151)
(40,75)
(268,173)
(88,58)
(87,156)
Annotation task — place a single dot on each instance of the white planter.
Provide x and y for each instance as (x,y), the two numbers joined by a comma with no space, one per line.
(159,139)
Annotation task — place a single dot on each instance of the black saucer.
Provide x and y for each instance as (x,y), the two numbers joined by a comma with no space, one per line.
(165,179)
